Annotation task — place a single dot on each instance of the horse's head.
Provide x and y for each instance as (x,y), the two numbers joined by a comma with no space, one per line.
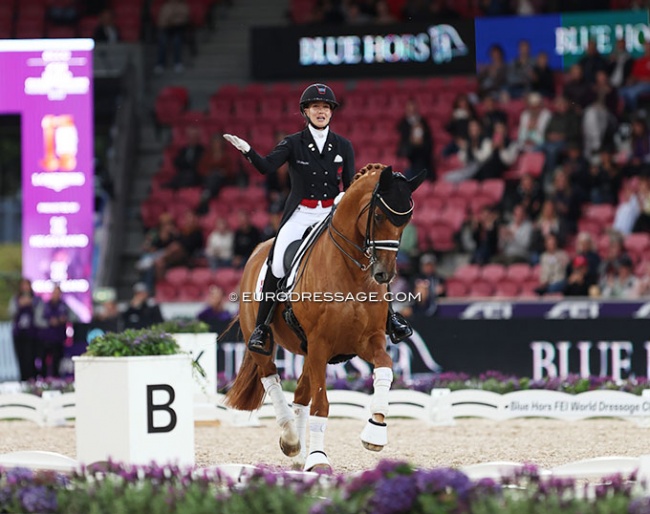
(384,207)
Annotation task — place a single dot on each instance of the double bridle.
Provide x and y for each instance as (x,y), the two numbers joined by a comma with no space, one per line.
(370,245)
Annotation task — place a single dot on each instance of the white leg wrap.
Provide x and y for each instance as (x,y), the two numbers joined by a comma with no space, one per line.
(317,456)
(383,378)
(302,418)
(283,413)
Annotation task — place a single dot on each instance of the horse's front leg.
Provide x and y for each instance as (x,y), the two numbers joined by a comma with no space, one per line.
(301,400)
(375,434)
(289,439)
(317,458)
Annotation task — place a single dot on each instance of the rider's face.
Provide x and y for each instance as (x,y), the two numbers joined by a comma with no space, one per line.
(319,113)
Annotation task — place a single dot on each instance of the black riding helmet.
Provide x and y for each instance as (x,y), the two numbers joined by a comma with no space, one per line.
(318,93)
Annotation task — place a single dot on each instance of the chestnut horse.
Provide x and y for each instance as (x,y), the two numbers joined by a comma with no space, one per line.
(354,261)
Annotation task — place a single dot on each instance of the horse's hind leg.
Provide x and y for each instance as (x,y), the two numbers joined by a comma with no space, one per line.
(375,434)
(301,410)
(317,458)
(289,440)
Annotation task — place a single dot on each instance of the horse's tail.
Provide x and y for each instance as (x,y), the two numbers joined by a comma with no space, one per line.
(247,391)
(228,328)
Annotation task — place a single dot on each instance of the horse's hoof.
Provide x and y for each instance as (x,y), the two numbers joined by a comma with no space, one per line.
(372,447)
(318,462)
(321,468)
(290,450)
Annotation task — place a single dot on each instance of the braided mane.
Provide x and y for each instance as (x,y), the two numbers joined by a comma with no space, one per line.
(368,169)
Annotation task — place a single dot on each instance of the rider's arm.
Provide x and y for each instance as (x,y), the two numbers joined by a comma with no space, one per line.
(278,156)
(348,166)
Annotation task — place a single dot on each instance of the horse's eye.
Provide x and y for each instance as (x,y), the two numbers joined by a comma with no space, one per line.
(379,217)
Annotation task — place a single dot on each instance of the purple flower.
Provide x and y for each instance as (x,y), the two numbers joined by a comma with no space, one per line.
(38,499)
(639,506)
(19,475)
(440,480)
(394,495)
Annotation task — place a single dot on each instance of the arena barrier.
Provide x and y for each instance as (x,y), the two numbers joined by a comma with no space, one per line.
(439,408)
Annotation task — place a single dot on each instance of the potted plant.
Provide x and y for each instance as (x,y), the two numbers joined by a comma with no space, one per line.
(196,338)
(134,399)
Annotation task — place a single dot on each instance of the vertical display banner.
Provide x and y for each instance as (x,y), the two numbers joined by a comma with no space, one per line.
(48,83)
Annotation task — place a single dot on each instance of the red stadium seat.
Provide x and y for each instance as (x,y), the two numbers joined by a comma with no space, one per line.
(493,188)
(166,292)
(528,163)
(441,235)
(190,292)
(202,276)
(467,273)
(519,272)
(507,289)
(456,288)
(481,289)
(493,273)
(637,244)
(601,213)
(178,276)
(468,189)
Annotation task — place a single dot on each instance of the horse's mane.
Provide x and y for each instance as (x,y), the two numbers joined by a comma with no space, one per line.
(369,169)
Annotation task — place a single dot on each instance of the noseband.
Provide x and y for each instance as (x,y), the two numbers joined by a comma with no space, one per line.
(371,245)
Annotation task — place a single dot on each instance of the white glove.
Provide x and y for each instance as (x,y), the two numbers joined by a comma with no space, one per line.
(237,142)
(338,198)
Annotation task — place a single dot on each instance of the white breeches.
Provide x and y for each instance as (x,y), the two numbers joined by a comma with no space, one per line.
(294,228)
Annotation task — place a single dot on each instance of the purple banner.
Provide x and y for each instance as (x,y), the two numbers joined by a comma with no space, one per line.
(49,84)
(578,308)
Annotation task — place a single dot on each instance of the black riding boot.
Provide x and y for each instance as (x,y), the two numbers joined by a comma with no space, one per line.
(397,327)
(262,332)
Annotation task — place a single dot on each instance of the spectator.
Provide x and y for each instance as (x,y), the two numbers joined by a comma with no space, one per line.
(624,284)
(180,251)
(602,182)
(215,313)
(529,195)
(548,223)
(643,284)
(503,154)
(416,141)
(187,161)
(543,78)
(585,247)
(106,31)
(384,16)
(614,251)
(473,152)
(627,211)
(562,130)
(355,16)
(408,252)
(463,111)
(566,200)
(217,169)
(156,240)
(552,266)
(492,78)
(172,24)
(54,316)
(620,64)
(515,238)
(592,62)
(526,7)
(520,71)
(22,309)
(107,311)
(639,81)
(642,223)
(485,230)
(142,310)
(64,12)
(440,10)
(578,282)
(576,89)
(429,286)
(492,115)
(532,124)
(247,237)
(220,245)
(638,154)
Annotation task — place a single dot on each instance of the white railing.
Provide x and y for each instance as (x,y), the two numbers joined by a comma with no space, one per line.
(440,407)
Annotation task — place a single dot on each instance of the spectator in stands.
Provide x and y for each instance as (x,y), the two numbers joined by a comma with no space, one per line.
(638,153)
(532,123)
(576,89)
(220,245)
(627,211)
(383,16)
(599,121)
(415,140)
(548,223)
(485,233)
(543,78)
(355,16)
(64,12)
(440,10)
(515,238)
(180,251)
(142,310)
(520,71)
(22,309)
(620,64)
(215,313)
(54,315)
(639,80)
(172,24)
(428,287)
(463,111)
(106,31)
(642,223)
(643,284)
(585,247)
(408,253)
(601,181)
(492,78)
(614,251)
(247,237)
(216,169)
(494,7)
(529,194)
(578,282)
(623,284)
(552,266)
(566,199)
(107,311)
(592,62)
(503,154)
(526,7)
(474,150)
(562,130)
(491,115)
(187,161)
(156,240)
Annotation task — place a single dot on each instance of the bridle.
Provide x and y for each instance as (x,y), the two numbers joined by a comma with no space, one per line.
(370,244)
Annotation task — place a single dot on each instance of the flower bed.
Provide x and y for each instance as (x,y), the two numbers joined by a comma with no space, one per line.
(390,488)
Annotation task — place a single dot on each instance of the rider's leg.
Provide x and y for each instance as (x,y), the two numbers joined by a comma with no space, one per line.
(397,327)
(257,341)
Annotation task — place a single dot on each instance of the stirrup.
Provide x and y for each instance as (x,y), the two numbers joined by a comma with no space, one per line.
(257,341)
(398,328)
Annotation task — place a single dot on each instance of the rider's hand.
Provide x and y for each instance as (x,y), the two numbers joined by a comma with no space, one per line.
(238,143)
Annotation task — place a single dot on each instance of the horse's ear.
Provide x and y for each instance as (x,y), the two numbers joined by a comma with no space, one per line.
(415,182)
(386,178)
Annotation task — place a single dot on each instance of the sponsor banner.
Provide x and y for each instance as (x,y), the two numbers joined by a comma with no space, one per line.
(563,309)
(444,48)
(563,37)
(48,83)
